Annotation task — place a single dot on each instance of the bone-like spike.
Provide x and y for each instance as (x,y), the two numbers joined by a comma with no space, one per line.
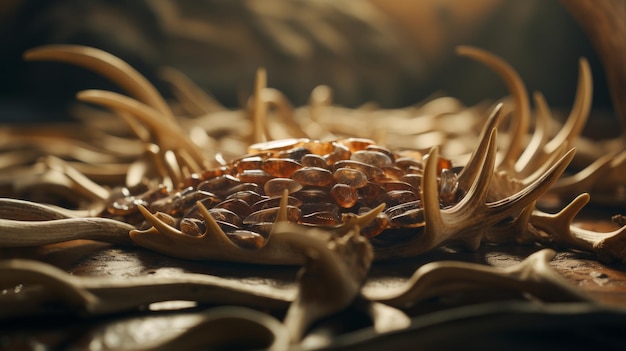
(559,223)
(167,134)
(191,95)
(521,117)
(259,108)
(584,179)
(580,111)
(275,98)
(162,227)
(282,215)
(473,166)
(533,153)
(214,231)
(106,65)
(477,193)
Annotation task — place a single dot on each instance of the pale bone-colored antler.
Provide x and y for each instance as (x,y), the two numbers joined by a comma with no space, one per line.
(533,275)
(165,133)
(107,65)
(557,229)
(334,271)
(195,100)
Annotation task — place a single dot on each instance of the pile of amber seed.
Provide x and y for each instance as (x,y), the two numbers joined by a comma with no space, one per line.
(326,181)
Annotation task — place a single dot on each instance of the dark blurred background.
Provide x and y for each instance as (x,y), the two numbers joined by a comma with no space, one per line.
(395,53)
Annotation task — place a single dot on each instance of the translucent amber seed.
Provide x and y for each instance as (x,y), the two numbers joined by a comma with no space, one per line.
(193,212)
(329,207)
(401,208)
(313,195)
(396,197)
(375,227)
(238,206)
(392,173)
(269,215)
(273,202)
(373,158)
(370,171)
(340,152)
(320,219)
(405,163)
(313,160)
(242,187)
(372,193)
(218,184)
(276,186)
(344,195)
(397,185)
(381,149)
(181,203)
(280,167)
(215,172)
(313,176)
(225,215)
(193,181)
(351,177)
(250,197)
(320,147)
(246,239)
(251,162)
(409,219)
(294,154)
(256,176)
(192,226)
(227,227)
(448,185)
(414,179)
(356,144)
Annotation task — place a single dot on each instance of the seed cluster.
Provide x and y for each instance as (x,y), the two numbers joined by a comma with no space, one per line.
(325,181)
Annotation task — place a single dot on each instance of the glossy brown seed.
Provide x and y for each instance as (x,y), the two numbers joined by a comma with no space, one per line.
(250,162)
(320,147)
(250,197)
(376,226)
(124,203)
(402,208)
(269,215)
(313,176)
(219,184)
(280,167)
(313,160)
(182,202)
(192,226)
(256,176)
(448,185)
(381,149)
(373,158)
(372,193)
(344,195)
(410,219)
(263,228)
(370,171)
(227,227)
(274,202)
(167,219)
(194,212)
(276,186)
(237,206)
(215,172)
(246,239)
(397,185)
(356,144)
(242,187)
(320,219)
(313,195)
(340,152)
(308,208)
(225,215)
(406,163)
(295,154)
(193,181)
(392,173)
(396,197)
(414,179)
(350,176)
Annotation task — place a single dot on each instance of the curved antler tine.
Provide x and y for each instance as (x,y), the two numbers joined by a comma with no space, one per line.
(168,135)
(477,192)
(277,99)
(530,193)
(473,166)
(521,114)
(533,155)
(15,209)
(584,179)
(430,197)
(580,111)
(107,65)
(259,108)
